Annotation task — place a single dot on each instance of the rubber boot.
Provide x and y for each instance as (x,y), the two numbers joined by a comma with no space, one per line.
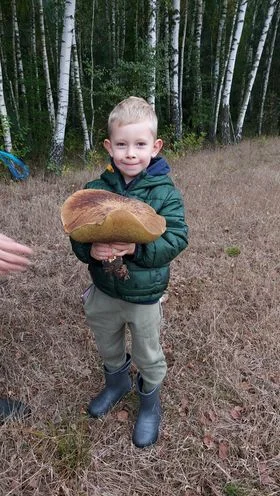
(117,385)
(147,424)
(12,410)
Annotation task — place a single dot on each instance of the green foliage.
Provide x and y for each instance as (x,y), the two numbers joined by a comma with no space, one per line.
(72,445)
(189,142)
(233,251)
(232,489)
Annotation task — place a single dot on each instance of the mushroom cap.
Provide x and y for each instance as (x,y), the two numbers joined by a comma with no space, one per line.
(95,215)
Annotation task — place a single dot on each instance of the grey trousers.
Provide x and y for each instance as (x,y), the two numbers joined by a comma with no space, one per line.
(107,318)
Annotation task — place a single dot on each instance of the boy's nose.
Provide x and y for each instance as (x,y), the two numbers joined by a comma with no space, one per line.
(131,153)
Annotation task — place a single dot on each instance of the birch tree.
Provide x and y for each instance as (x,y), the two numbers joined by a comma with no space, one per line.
(267,70)
(4,117)
(80,96)
(57,149)
(226,134)
(19,63)
(182,58)
(91,74)
(174,69)
(49,95)
(197,69)
(217,70)
(252,75)
(152,42)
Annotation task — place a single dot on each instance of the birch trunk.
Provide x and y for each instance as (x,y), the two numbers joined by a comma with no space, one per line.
(226,134)
(217,68)
(91,75)
(182,58)
(174,80)
(19,56)
(225,63)
(253,73)
(49,95)
(57,149)
(267,71)
(152,41)
(4,117)
(197,70)
(80,96)
(166,60)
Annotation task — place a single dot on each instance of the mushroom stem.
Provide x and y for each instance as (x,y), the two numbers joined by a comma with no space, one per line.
(116,267)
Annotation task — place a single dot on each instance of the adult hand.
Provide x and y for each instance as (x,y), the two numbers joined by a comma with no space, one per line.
(13,255)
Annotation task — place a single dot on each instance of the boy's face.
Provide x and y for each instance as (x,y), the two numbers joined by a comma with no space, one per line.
(132,146)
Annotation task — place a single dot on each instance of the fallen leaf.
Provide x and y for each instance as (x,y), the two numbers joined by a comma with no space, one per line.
(223,450)
(208,440)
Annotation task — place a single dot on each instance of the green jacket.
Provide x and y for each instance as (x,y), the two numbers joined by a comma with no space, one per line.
(149,266)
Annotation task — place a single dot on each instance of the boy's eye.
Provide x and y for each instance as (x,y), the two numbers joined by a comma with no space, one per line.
(141,143)
(120,144)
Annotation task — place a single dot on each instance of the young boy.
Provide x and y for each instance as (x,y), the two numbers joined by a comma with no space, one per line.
(111,303)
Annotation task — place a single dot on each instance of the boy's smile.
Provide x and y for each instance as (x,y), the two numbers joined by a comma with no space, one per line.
(132,146)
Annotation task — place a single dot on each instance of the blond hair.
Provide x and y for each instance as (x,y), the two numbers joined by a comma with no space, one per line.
(133,110)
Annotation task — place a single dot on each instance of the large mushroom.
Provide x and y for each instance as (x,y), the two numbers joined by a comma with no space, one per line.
(94,215)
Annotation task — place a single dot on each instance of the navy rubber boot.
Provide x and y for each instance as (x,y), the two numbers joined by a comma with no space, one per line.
(12,410)
(117,385)
(147,424)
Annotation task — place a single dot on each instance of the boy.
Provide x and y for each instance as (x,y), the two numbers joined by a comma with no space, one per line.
(111,303)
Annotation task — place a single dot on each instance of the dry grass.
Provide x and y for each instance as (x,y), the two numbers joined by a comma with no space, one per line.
(221,430)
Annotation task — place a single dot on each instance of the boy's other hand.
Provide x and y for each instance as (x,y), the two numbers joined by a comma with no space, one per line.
(13,255)
(121,249)
(105,251)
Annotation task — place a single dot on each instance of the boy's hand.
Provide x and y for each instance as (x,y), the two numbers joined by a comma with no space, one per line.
(121,249)
(105,251)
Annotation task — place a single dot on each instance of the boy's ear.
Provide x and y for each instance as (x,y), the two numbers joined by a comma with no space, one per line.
(107,145)
(158,144)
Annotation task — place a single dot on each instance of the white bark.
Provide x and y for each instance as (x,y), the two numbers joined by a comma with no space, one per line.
(166,59)
(182,58)
(56,154)
(217,65)
(49,95)
(152,42)
(18,54)
(230,71)
(91,76)
(267,71)
(221,84)
(174,69)
(80,96)
(253,73)
(197,69)
(4,117)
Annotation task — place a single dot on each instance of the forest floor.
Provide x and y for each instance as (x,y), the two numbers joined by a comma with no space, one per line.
(220,434)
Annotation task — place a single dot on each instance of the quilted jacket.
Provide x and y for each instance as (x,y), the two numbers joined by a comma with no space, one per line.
(149,266)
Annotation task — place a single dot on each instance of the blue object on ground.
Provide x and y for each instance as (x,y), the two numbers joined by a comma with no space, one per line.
(18,169)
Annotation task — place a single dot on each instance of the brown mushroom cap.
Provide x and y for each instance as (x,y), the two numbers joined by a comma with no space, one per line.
(94,215)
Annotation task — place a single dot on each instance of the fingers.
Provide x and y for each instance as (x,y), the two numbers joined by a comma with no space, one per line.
(12,246)
(101,251)
(13,255)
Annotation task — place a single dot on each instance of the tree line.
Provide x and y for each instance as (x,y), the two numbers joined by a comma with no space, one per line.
(209,68)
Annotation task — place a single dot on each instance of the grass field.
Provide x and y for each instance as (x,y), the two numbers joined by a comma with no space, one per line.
(220,433)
